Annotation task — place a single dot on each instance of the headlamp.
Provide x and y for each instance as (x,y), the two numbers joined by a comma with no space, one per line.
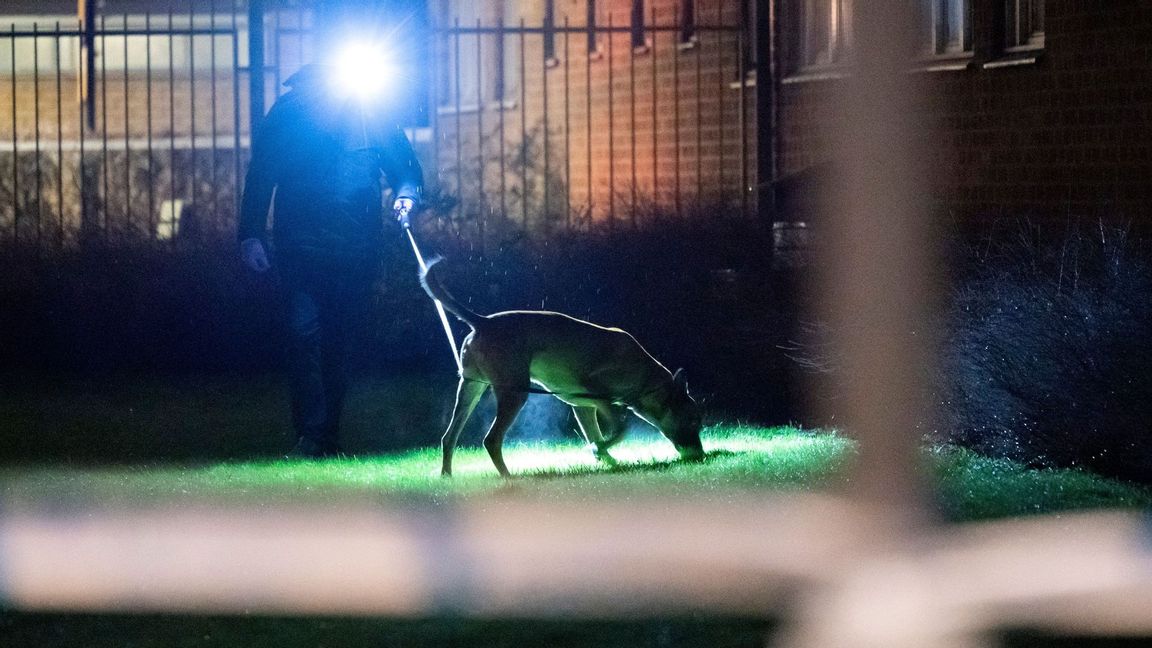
(363,71)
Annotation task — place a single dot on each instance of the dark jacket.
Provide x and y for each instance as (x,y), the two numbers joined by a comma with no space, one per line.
(324,156)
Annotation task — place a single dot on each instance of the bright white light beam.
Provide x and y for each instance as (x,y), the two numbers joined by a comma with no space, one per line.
(363,70)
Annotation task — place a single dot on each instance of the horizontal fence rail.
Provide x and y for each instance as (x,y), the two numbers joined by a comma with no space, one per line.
(649,556)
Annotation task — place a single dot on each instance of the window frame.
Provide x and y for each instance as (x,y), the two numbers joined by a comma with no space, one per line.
(1013,40)
(938,29)
(833,39)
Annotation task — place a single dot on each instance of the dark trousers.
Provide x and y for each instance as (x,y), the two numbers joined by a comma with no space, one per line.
(325,301)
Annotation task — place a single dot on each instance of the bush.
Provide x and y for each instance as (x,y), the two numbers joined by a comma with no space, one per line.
(697,292)
(1048,355)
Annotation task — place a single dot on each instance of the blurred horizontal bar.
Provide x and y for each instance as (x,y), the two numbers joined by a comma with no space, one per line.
(416,557)
(512,556)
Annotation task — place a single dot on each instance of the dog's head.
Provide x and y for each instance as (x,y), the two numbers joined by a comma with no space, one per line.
(681,419)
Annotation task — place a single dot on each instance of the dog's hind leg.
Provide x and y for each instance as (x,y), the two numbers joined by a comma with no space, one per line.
(590,426)
(612,422)
(468,394)
(509,402)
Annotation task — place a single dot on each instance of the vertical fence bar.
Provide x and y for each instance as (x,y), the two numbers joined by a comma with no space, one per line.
(84,106)
(611,132)
(15,143)
(148,123)
(655,150)
(279,59)
(699,129)
(567,131)
(456,72)
(88,48)
(255,64)
(127,145)
(481,196)
(743,81)
(171,127)
(632,120)
(503,60)
(104,119)
(15,146)
(676,123)
(215,194)
(523,130)
(59,143)
(236,121)
(588,103)
(36,133)
(545,62)
(720,97)
(192,183)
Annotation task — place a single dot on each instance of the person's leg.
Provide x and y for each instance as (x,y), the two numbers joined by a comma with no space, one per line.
(306,373)
(333,354)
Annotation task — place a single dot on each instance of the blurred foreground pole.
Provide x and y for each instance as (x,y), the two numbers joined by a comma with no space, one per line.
(876,265)
(875,284)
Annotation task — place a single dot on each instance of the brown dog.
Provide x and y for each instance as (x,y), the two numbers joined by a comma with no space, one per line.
(594,369)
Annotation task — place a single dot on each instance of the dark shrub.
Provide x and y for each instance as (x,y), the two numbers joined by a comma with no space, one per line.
(1048,355)
(698,292)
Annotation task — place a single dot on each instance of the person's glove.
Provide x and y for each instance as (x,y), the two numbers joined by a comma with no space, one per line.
(253,255)
(402,209)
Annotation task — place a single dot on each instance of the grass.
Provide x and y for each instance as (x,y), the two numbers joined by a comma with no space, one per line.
(157,429)
(739,459)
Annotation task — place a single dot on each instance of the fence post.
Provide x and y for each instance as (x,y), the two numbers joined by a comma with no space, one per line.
(255,64)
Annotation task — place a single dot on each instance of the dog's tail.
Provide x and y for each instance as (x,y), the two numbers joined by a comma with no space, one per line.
(431,282)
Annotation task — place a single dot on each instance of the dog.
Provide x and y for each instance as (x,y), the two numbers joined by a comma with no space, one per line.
(595,370)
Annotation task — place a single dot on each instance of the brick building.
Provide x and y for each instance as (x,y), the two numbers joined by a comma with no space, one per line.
(600,110)
(549,112)
(1037,108)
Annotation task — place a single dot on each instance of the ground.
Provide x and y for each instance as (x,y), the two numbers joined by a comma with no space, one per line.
(131,442)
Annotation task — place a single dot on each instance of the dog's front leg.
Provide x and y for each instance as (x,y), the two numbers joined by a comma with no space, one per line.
(508,405)
(468,394)
(586,418)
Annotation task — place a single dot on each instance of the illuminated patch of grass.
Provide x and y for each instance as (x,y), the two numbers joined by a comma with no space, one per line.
(739,458)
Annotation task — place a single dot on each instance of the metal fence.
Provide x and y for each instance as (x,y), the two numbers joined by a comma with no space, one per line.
(564,126)
(121,127)
(131,127)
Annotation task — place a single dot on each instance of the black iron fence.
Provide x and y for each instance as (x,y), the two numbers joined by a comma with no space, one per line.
(121,127)
(556,125)
(133,127)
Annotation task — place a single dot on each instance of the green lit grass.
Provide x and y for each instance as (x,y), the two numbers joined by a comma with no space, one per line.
(739,459)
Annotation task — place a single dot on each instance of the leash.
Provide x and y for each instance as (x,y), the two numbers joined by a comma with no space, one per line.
(439,306)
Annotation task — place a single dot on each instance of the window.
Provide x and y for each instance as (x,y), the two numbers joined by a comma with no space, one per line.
(460,85)
(506,86)
(1023,25)
(825,33)
(949,27)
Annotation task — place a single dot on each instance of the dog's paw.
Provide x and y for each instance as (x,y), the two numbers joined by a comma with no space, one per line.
(691,454)
(601,454)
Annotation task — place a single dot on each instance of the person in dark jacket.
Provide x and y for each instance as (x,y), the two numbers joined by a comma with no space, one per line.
(322,156)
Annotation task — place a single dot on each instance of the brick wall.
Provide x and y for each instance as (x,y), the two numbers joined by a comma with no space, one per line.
(1067,135)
